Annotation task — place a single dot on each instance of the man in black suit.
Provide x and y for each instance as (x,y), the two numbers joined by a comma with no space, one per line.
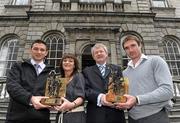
(98,109)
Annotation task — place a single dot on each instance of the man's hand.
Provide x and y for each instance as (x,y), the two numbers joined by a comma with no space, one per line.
(105,102)
(131,101)
(35,100)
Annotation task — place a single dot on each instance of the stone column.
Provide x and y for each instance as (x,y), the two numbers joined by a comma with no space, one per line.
(113,52)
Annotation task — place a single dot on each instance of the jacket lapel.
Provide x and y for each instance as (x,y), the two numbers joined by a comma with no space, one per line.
(96,70)
(107,71)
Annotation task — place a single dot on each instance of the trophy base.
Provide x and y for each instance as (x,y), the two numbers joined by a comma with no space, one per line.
(51,101)
(115,98)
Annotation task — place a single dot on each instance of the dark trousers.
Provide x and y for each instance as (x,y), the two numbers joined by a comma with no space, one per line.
(160,117)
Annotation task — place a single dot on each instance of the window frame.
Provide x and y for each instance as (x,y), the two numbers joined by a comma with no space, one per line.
(12,45)
(14,2)
(172,55)
(163,4)
(49,39)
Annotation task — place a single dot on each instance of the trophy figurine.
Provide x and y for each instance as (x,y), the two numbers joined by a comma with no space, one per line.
(117,87)
(55,89)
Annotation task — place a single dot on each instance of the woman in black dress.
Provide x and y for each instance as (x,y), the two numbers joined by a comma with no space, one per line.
(72,108)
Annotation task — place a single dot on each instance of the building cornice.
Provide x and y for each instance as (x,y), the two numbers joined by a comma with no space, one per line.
(54,13)
(14,17)
(167,19)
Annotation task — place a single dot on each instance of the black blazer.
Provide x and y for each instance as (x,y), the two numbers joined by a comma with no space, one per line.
(96,84)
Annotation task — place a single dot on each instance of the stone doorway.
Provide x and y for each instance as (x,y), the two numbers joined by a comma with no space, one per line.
(87,59)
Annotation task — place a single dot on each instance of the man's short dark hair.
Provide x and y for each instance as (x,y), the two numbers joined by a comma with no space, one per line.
(40,42)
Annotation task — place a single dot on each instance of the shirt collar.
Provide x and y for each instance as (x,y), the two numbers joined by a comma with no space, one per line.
(104,65)
(130,63)
(41,64)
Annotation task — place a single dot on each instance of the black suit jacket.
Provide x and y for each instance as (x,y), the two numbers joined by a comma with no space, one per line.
(96,84)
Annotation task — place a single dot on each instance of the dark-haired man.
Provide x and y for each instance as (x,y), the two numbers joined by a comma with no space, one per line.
(26,85)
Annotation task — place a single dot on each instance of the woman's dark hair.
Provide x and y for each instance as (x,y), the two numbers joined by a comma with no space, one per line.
(76,64)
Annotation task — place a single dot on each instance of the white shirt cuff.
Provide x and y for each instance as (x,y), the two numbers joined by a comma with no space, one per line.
(138,101)
(99,100)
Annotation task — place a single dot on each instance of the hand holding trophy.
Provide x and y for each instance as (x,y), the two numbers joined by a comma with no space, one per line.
(55,89)
(117,87)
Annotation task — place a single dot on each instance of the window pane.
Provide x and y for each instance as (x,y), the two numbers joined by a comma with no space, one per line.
(160,3)
(8,55)
(20,2)
(55,44)
(172,55)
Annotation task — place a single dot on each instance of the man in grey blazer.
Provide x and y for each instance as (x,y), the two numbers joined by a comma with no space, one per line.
(98,109)
(150,85)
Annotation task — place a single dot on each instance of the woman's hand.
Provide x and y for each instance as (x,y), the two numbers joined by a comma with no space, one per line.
(65,106)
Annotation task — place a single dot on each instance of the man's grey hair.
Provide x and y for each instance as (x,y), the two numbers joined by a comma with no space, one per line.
(99,45)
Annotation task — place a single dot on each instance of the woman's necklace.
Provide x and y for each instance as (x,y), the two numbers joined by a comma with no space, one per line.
(68,76)
(69,79)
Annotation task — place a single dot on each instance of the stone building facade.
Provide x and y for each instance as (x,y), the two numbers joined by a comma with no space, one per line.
(76,25)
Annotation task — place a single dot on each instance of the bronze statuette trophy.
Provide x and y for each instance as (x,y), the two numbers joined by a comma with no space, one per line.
(55,89)
(117,87)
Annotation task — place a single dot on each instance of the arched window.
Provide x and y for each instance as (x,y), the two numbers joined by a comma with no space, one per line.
(172,54)
(8,54)
(56,43)
(87,59)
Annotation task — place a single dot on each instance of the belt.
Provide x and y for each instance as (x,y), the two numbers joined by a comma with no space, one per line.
(77,109)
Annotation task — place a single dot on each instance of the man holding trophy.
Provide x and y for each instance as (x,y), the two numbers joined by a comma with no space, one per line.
(103,84)
(150,85)
(26,84)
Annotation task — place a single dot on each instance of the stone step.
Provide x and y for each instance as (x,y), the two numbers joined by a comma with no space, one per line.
(176,105)
(3,113)
(174,118)
(176,100)
(53,114)
(3,108)
(174,111)
(174,114)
